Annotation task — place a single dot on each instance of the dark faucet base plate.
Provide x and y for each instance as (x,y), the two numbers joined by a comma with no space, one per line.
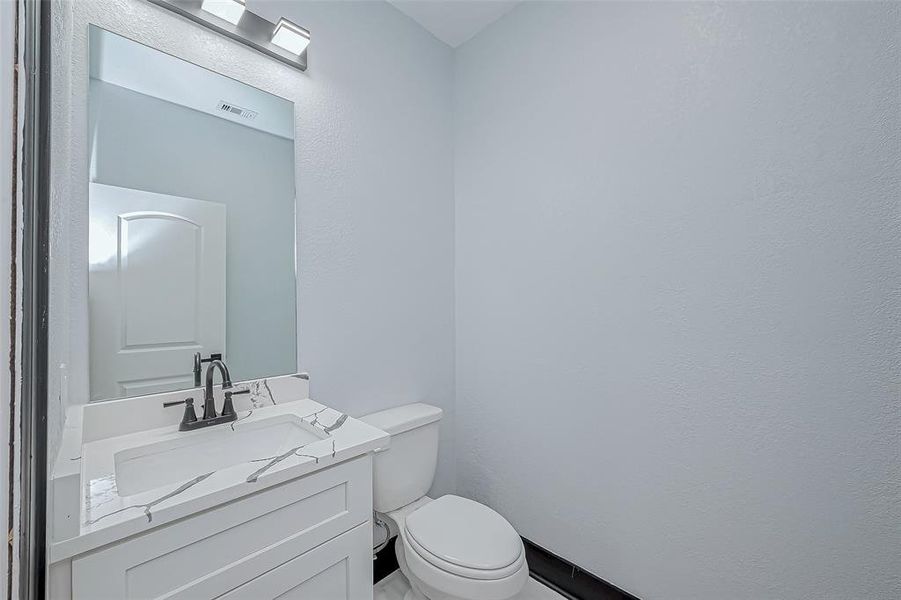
(201,423)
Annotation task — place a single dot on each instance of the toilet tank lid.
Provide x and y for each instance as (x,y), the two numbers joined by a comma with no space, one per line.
(403,418)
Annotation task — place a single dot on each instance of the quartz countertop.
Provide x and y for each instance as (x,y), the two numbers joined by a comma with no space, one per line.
(105,516)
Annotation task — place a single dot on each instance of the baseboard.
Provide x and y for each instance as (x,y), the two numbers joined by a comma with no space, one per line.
(385,562)
(568,579)
(560,575)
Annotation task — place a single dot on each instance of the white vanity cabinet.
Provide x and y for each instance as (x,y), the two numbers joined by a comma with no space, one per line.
(308,538)
(338,569)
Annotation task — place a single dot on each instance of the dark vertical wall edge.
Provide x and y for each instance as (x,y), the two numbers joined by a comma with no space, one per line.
(35,300)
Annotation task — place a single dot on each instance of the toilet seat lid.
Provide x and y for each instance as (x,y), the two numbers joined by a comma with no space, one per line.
(464,533)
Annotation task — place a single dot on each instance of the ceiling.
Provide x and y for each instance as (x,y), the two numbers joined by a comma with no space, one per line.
(454,21)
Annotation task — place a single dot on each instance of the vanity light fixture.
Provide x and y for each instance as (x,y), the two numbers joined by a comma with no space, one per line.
(229,10)
(290,36)
(286,42)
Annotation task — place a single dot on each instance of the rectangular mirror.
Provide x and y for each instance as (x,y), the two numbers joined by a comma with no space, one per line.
(191,222)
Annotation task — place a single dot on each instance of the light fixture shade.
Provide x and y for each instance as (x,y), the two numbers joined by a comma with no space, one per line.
(228,10)
(291,37)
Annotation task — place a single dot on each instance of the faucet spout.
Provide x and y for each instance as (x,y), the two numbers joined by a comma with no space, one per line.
(209,405)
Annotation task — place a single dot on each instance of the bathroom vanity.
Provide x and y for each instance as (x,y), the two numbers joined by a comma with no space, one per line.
(277,504)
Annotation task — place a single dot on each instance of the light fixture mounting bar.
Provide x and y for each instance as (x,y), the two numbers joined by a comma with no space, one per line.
(252,30)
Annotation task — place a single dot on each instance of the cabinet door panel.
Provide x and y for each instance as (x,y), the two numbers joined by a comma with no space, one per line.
(340,569)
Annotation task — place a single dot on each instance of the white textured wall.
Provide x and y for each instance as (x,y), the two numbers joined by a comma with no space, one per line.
(375,200)
(374,174)
(678,258)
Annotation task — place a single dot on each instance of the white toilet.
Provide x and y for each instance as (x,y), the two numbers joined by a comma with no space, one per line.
(450,548)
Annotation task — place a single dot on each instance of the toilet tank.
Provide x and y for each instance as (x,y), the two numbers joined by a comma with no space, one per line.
(403,472)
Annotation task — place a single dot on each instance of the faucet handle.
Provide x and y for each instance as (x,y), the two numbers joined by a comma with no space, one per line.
(189,417)
(228,409)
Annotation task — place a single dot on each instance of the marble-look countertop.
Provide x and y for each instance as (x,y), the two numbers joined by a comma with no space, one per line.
(106,516)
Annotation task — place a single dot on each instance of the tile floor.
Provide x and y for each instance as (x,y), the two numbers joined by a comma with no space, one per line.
(394,586)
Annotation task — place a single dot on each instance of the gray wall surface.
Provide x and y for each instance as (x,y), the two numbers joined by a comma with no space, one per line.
(145,143)
(678,258)
(375,212)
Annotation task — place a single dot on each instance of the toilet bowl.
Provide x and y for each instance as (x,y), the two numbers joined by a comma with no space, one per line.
(453,548)
(450,548)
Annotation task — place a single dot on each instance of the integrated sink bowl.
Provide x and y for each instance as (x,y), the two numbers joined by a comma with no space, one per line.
(187,455)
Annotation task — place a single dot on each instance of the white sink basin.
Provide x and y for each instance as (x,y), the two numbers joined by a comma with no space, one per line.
(191,454)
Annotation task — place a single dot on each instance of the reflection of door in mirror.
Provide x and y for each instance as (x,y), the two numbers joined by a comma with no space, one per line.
(173,149)
(157,289)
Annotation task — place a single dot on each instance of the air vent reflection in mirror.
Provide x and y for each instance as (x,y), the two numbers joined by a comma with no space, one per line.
(244,113)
